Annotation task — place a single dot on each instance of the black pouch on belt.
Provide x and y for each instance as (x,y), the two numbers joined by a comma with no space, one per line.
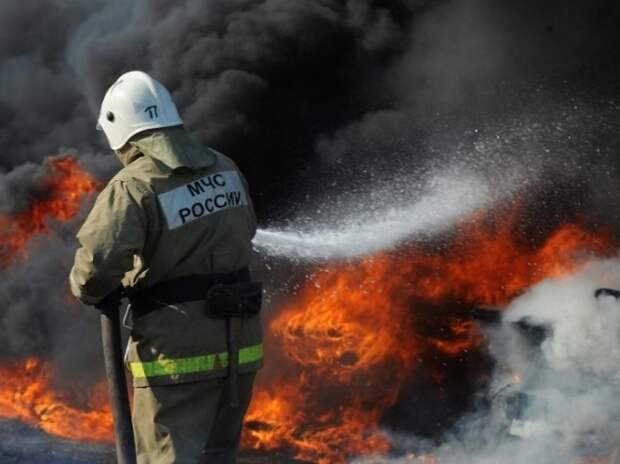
(243,299)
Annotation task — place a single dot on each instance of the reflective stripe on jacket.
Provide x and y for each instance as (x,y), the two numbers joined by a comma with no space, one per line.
(194,364)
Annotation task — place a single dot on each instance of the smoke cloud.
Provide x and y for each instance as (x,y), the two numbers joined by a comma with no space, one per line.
(306,90)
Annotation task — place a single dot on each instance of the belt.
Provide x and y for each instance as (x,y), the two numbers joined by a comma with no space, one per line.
(182,290)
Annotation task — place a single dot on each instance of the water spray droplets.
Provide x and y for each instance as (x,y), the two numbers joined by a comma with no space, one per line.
(362,229)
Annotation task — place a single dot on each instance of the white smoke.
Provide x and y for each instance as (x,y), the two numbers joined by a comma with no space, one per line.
(573,387)
(558,402)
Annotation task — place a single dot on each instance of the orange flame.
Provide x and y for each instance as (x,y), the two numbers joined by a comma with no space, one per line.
(26,387)
(351,339)
(62,193)
(26,394)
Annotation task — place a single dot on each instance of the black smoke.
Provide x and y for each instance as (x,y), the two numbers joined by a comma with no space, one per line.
(290,89)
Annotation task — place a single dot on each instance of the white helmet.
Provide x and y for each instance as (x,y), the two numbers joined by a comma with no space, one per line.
(135,103)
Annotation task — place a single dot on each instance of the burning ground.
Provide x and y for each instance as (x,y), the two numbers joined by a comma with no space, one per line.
(364,346)
(363,343)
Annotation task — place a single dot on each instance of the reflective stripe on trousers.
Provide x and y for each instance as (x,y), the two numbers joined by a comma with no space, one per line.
(193,364)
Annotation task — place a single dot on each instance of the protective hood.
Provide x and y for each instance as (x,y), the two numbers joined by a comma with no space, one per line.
(174,148)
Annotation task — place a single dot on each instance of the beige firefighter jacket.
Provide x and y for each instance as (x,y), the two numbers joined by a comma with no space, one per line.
(176,209)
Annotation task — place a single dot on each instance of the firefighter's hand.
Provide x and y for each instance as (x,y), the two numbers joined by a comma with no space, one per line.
(111,302)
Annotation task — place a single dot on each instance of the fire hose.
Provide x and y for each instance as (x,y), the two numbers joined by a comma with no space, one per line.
(117,383)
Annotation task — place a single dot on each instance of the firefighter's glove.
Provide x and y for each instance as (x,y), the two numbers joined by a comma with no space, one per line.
(111,302)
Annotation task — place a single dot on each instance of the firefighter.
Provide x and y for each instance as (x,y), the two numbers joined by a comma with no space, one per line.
(172,231)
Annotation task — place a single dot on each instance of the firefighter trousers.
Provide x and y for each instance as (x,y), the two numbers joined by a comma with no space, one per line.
(189,423)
